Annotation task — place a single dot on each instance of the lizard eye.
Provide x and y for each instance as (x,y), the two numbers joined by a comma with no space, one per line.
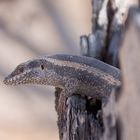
(42,67)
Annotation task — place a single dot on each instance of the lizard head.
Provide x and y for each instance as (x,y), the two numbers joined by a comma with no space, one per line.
(30,72)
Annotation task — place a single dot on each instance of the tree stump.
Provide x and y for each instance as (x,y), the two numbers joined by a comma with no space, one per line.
(85,118)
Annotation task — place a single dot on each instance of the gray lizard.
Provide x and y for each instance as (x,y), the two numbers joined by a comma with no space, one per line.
(73,74)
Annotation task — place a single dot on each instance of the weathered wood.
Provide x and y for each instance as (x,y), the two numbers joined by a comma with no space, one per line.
(127,107)
(109,120)
(97,38)
(84,118)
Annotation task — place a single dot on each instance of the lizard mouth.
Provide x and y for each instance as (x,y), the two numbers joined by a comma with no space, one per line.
(16,80)
(20,79)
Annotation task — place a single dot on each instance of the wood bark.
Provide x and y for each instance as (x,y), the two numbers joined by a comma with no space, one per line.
(85,118)
(127,107)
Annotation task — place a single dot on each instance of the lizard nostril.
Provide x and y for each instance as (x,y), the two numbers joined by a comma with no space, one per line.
(21,70)
(5,81)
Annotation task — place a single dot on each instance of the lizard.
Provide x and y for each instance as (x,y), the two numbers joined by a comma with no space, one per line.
(72,73)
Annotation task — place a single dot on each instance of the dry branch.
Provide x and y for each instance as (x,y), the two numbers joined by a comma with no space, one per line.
(84,118)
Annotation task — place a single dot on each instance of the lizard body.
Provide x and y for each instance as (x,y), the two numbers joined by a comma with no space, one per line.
(73,74)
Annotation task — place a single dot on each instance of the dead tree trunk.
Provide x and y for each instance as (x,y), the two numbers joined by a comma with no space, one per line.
(84,118)
(127,107)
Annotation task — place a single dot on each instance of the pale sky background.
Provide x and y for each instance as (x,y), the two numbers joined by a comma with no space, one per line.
(30,28)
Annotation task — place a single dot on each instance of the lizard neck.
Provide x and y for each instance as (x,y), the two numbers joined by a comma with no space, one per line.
(53,79)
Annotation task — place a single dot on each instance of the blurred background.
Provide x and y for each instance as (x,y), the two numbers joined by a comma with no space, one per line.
(30,28)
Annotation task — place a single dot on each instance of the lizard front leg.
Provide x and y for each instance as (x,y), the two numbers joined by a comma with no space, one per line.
(70,89)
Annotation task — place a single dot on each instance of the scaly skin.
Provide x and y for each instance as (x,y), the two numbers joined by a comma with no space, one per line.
(73,74)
